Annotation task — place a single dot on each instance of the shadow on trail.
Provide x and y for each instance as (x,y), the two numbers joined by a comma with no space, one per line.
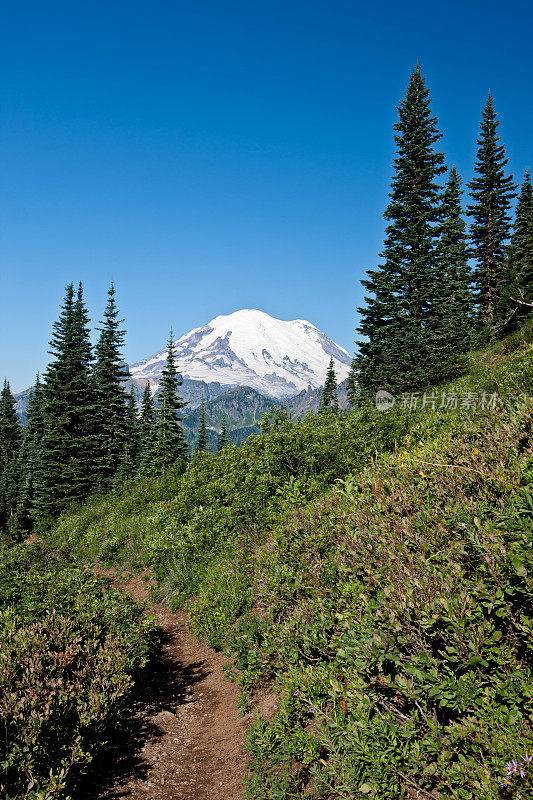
(163,686)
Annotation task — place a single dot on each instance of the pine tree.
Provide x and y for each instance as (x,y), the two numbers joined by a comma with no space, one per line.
(109,378)
(30,458)
(223,439)
(146,433)
(66,467)
(521,251)
(491,192)
(451,326)
(202,442)
(10,442)
(397,318)
(170,445)
(328,399)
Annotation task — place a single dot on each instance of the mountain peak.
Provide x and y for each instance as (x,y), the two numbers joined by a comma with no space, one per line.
(248,347)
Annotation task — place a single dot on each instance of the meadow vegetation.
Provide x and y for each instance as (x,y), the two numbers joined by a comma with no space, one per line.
(70,649)
(369,573)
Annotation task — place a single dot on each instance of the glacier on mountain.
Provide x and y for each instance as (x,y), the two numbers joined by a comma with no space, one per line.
(275,357)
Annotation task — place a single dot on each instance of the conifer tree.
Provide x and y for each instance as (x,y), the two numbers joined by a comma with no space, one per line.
(521,251)
(491,192)
(128,464)
(66,466)
(397,318)
(329,400)
(202,442)
(109,378)
(30,458)
(223,439)
(146,433)
(170,445)
(10,441)
(451,324)
(351,385)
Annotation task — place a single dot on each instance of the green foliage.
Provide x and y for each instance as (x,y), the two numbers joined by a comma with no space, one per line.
(169,442)
(112,422)
(202,445)
(328,399)
(10,441)
(66,462)
(491,191)
(372,571)
(69,650)
(397,321)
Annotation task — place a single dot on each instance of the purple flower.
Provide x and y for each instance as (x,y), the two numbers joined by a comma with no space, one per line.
(527,759)
(295,693)
(512,767)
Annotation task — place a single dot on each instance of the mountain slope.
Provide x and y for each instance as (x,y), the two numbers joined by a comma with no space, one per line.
(250,348)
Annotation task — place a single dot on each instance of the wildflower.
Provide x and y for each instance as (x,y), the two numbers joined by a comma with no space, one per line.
(512,767)
(422,475)
(476,452)
(527,759)
(295,693)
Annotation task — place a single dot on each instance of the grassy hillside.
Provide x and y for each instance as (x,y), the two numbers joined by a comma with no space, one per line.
(370,574)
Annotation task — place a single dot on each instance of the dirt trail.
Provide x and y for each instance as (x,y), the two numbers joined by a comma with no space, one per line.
(183,737)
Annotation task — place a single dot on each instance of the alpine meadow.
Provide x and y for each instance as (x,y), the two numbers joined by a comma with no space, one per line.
(293,573)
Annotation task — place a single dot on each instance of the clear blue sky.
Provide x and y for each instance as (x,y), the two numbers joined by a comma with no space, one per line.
(212,155)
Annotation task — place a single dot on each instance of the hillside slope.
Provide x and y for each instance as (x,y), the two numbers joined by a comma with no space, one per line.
(370,574)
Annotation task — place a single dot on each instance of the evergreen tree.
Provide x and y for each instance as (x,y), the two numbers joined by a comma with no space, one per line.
(328,399)
(491,192)
(30,458)
(129,461)
(351,385)
(223,439)
(109,378)
(397,318)
(146,433)
(66,466)
(451,326)
(521,252)
(10,441)
(202,442)
(170,445)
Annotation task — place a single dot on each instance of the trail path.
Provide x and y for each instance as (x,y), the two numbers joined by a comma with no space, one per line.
(183,737)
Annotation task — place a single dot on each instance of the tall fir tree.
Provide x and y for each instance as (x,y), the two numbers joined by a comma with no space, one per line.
(170,445)
(521,252)
(202,442)
(396,320)
(30,458)
(66,467)
(491,192)
(451,324)
(10,442)
(328,399)
(223,438)
(351,385)
(109,377)
(128,465)
(146,433)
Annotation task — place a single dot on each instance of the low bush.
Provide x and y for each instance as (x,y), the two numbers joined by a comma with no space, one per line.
(69,650)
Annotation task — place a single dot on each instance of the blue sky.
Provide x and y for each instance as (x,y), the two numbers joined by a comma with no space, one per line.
(208,156)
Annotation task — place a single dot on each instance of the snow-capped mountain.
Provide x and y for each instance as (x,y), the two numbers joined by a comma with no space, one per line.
(250,348)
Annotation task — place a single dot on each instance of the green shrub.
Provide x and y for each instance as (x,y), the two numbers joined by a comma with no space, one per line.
(69,650)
